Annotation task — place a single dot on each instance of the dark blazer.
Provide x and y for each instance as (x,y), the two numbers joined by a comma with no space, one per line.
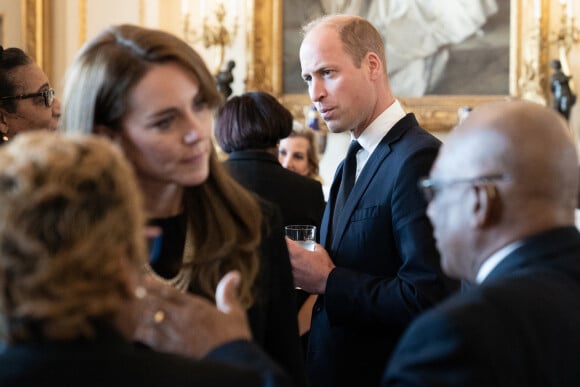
(387,264)
(110,360)
(300,198)
(520,327)
(273,315)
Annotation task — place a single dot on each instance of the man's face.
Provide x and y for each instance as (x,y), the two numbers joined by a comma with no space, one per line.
(449,214)
(341,91)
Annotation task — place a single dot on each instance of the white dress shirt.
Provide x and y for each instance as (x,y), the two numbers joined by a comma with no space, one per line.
(490,263)
(374,133)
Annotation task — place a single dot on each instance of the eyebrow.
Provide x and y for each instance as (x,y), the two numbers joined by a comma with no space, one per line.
(44,86)
(161,113)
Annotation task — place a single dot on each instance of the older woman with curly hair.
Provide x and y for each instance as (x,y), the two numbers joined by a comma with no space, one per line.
(73,296)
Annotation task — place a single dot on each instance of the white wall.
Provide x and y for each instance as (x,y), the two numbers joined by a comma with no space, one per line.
(163,14)
(11,10)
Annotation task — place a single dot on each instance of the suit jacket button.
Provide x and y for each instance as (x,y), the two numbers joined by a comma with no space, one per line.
(317,308)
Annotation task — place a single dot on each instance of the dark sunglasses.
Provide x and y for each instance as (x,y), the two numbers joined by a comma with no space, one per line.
(48,96)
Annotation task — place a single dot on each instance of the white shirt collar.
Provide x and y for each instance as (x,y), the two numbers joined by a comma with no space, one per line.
(374,133)
(490,263)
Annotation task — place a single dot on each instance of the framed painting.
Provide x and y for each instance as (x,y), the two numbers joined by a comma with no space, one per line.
(37,27)
(516,68)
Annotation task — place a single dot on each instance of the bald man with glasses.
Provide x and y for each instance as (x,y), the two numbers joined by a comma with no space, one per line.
(502,194)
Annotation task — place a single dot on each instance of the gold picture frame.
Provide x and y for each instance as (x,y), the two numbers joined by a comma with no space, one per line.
(1,29)
(437,113)
(37,28)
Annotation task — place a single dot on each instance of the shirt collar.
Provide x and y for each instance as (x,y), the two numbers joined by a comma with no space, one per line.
(490,263)
(374,133)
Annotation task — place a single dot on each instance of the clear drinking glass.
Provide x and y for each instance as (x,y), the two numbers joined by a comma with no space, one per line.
(305,235)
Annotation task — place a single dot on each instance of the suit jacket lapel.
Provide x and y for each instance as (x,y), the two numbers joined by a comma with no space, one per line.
(366,176)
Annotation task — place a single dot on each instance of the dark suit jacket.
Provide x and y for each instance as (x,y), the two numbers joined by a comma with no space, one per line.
(300,198)
(273,315)
(112,361)
(520,327)
(387,264)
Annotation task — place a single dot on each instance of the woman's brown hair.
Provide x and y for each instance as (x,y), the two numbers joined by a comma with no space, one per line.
(224,217)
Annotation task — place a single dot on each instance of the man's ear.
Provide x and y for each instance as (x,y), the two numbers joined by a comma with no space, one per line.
(375,64)
(486,204)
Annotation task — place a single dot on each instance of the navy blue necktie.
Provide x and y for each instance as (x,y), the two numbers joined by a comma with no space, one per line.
(347,180)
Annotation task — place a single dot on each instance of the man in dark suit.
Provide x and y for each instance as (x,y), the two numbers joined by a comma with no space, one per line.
(503,193)
(379,268)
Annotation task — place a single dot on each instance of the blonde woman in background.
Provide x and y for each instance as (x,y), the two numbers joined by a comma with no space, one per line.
(299,153)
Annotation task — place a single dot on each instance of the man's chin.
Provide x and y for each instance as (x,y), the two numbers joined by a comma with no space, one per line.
(335,127)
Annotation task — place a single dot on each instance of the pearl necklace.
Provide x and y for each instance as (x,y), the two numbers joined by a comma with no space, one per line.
(182,279)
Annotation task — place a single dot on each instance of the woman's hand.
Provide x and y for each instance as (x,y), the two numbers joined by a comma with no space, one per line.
(176,322)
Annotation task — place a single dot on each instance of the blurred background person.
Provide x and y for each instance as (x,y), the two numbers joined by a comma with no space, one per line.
(27,100)
(153,95)
(299,153)
(502,194)
(248,128)
(72,254)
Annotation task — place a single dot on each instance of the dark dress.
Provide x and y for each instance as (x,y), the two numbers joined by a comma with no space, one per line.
(110,360)
(272,317)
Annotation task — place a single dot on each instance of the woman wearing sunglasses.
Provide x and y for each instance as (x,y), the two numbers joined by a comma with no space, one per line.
(27,100)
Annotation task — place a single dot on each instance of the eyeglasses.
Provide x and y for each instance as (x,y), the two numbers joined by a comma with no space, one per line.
(431,187)
(48,96)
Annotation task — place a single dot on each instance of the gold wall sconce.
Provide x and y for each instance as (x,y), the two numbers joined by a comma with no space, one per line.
(218,29)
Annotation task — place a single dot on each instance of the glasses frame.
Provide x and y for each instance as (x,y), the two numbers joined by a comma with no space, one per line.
(47,94)
(430,187)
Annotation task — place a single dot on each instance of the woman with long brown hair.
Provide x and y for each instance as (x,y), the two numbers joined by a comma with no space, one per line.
(151,93)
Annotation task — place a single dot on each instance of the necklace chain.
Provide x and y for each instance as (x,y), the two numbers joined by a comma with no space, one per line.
(182,279)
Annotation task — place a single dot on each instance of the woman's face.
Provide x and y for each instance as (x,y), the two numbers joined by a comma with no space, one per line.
(293,155)
(31,113)
(166,132)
